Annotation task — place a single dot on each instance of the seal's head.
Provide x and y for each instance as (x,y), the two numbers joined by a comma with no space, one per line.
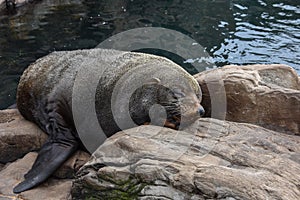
(172,107)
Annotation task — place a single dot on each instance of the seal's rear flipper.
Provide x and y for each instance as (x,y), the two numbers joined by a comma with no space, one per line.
(50,157)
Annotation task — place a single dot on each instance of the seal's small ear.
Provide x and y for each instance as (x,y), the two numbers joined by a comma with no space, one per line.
(153,81)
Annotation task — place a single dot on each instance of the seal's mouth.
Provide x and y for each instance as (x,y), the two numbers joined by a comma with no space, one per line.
(173,122)
(171,125)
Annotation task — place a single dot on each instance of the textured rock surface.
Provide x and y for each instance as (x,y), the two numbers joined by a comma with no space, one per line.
(267,95)
(17,136)
(72,165)
(212,159)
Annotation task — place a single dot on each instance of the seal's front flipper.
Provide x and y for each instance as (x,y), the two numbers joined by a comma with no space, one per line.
(50,157)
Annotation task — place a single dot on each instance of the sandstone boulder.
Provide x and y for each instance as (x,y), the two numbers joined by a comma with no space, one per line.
(72,165)
(212,159)
(266,95)
(18,136)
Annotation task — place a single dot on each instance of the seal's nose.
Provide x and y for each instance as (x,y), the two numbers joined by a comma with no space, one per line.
(201,111)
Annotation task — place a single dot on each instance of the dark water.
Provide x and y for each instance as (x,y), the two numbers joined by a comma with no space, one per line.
(233,32)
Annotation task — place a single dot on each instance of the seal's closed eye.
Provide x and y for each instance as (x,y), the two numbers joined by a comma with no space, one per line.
(178,92)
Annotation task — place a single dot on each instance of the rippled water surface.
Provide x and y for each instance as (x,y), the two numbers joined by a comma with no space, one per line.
(233,32)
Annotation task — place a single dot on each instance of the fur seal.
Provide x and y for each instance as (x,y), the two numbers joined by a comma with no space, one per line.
(44,96)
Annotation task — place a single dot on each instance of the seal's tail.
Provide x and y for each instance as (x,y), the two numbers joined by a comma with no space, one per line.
(50,157)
